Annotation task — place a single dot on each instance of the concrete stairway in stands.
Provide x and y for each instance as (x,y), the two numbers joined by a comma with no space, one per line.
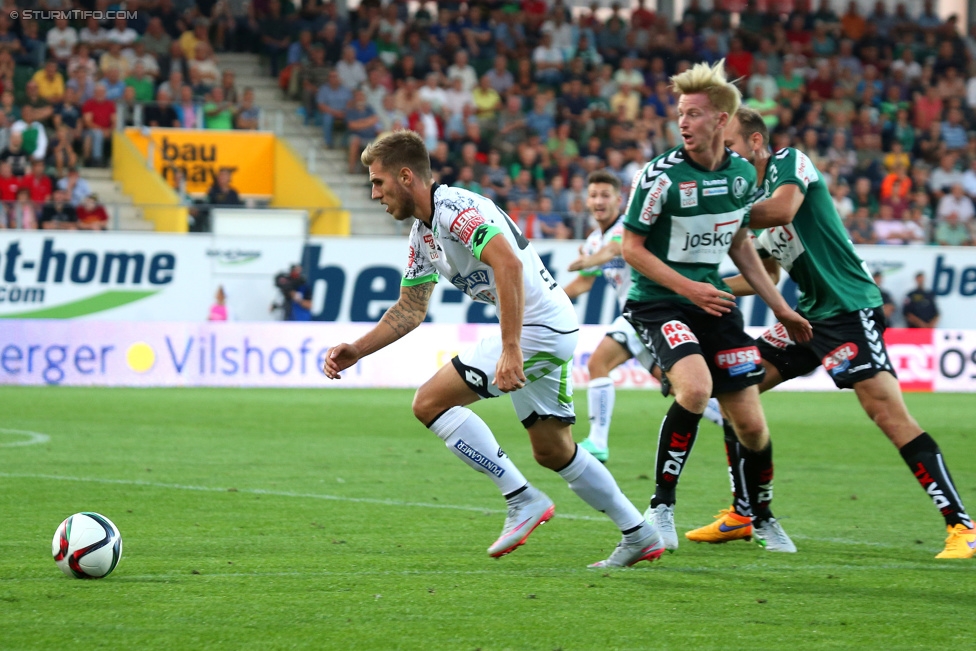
(115,201)
(281,115)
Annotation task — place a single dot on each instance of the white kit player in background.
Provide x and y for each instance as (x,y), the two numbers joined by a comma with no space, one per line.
(467,239)
(600,255)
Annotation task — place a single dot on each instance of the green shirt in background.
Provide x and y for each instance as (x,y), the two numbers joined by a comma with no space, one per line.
(814,249)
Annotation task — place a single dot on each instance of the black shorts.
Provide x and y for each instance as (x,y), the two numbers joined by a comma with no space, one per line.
(850,347)
(674,331)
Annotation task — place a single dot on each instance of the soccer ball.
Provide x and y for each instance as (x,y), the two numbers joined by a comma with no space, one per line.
(87,546)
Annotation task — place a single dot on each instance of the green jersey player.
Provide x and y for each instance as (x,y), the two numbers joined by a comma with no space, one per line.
(804,234)
(690,207)
(600,256)
(467,239)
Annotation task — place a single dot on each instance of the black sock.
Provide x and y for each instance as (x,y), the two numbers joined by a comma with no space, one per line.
(674,444)
(758,470)
(733,454)
(924,459)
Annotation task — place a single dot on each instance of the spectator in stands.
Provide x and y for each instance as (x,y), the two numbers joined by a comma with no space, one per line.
(61,152)
(228,81)
(352,73)
(276,36)
(61,40)
(127,109)
(177,61)
(59,214)
(23,212)
(114,84)
(952,232)
(82,84)
(362,126)
(99,118)
(8,68)
(919,306)
(9,184)
(861,229)
(37,183)
(156,41)
(955,202)
(141,83)
(218,113)
(332,100)
(91,214)
(247,114)
(161,113)
(945,176)
(222,193)
(887,303)
(33,49)
(41,108)
(198,34)
(548,61)
(150,65)
(550,224)
(76,187)
(50,83)
(205,65)
(82,59)
(187,110)
(122,34)
(112,59)
(32,133)
(312,75)
(173,83)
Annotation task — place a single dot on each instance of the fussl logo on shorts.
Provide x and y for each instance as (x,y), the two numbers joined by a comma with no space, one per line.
(677,333)
(738,361)
(839,359)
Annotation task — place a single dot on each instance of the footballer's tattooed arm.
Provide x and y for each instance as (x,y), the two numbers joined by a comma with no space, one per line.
(409,311)
(405,315)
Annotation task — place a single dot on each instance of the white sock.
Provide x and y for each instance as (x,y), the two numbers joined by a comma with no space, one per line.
(600,396)
(594,484)
(469,438)
(713,412)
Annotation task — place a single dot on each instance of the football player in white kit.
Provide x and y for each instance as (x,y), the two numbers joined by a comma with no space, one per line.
(600,255)
(467,239)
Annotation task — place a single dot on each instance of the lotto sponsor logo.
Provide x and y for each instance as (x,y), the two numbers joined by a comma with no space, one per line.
(490,466)
(839,359)
(464,224)
(738,361)
(677,333)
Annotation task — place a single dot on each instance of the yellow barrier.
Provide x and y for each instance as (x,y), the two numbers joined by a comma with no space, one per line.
(201,153)
(146,187)
(296,188)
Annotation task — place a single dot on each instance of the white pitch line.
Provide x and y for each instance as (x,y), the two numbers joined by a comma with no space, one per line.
(369,500)
(33,438)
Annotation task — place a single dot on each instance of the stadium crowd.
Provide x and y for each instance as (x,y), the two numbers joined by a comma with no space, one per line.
(520,100)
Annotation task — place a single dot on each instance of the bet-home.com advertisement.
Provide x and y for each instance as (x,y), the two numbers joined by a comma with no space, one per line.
(166,277)
(137,277)
(125,353)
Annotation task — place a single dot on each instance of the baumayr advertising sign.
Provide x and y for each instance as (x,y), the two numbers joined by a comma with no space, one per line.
(147,277)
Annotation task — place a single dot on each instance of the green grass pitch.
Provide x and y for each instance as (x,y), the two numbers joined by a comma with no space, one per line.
(331,519)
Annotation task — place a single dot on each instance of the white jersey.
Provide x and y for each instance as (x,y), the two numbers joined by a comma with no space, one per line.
(462,224)
(616,272)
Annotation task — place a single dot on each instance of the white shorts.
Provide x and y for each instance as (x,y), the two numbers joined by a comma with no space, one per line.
(548,364)
(624,334)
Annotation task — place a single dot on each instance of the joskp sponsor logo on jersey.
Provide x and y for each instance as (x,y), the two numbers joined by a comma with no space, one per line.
(703,239)
(738,361)
(839,359)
